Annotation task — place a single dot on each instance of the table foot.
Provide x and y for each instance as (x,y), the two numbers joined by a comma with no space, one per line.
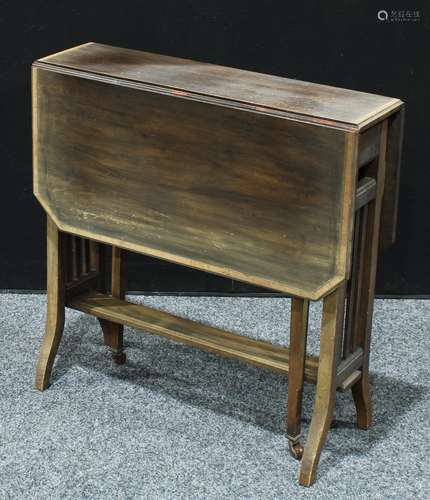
(48,351)
(296,449)
(363,402)
(119,357)
(113,338)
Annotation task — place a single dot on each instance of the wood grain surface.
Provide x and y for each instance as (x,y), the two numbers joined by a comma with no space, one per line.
(253,197)
(300,98)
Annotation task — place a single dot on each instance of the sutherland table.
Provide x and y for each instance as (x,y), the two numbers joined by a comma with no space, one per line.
(280,183)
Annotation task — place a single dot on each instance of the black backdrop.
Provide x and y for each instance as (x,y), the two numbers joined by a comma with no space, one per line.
(340,43)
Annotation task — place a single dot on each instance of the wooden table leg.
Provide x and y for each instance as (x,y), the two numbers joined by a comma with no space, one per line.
(113,332)
(361,390)
(298,337)
(55,305)
(330,345)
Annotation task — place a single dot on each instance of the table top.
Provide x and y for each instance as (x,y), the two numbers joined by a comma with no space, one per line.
(298,99)
(249,176)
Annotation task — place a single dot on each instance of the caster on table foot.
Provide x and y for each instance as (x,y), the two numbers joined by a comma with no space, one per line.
(296,449)
(119,357)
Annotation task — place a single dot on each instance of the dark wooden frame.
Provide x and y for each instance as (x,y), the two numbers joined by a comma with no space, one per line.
(77,279)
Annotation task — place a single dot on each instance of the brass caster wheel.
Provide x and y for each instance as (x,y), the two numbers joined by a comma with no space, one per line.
(119,358)
(296,450)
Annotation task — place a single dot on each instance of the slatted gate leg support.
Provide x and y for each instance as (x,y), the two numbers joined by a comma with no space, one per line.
(55,305)
(361,390)
(296,374)
(330,344)
(113,332)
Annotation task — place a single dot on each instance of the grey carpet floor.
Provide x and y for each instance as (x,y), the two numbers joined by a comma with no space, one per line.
(176,422)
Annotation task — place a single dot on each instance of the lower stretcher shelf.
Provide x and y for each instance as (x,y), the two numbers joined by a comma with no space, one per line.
(257,352)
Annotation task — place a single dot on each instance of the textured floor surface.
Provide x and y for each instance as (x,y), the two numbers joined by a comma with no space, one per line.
(176,422)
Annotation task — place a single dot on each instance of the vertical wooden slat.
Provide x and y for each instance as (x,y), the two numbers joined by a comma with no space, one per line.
(361,270)
(84,256)
(94,256)
(351,290)
(74,257)
(68,258)
(117,283)
(354,284)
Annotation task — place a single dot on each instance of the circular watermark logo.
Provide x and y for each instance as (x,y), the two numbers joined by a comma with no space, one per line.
(382,15)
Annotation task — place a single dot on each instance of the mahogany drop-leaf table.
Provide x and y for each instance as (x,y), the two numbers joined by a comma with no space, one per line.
(280,183)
